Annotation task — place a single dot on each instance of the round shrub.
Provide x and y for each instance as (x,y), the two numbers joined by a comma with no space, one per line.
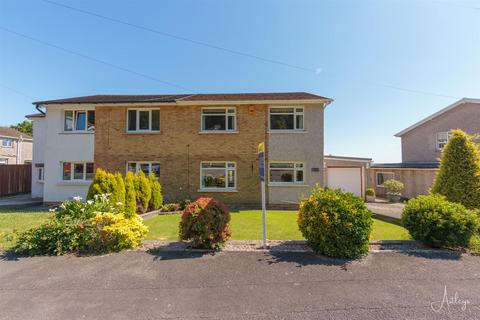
(436,221)
(335,223)
(205,223)
(370,192)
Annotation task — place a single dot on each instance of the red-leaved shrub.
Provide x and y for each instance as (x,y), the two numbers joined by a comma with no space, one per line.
(205,223)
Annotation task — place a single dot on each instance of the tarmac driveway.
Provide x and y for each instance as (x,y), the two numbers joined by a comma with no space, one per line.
(240,285)
(393,210)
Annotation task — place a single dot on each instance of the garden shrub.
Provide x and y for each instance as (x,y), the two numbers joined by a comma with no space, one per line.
(143,191)
(109,232)
(438,222)
(335,223)
(130,195)
(94,226)
(156,199)
(118,193)
(370,192)
(393,187)
(459,176)
(205,223)
(103,183)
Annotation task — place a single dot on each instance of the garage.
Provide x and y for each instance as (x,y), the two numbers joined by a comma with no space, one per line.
(346,173)
(347,179)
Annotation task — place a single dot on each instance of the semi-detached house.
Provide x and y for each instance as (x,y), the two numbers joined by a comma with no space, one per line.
(197,145)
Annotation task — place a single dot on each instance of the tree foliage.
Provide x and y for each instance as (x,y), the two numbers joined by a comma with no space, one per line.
(24,127)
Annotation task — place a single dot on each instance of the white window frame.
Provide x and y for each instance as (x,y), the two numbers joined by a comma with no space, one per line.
(295,169)
(3,161)
(137,124)
(139,163)
(227,114)
(72,169)
(383,172)
(74,123)
(437,138)
(9,145)
(227,168)
(41,173)
(295,113)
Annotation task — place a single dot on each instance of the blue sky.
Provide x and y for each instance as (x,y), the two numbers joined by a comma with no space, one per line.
(361,49)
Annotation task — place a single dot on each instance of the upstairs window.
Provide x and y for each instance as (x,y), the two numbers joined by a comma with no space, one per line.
(79,120)
(143,120)
(145,166)
(286,172)
(442,140)
(286,118)
(7,143)
(219,119)
(75,171)
(218,175)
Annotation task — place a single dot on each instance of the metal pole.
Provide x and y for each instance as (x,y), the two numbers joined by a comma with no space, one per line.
(264,216)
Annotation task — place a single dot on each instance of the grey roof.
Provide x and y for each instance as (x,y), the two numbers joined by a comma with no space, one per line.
(187,97)
(331,156)
(407,165)
(12,133)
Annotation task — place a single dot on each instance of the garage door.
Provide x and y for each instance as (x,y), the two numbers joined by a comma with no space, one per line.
(347,179)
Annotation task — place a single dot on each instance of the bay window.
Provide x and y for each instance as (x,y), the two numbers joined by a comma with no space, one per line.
(218,175)
(143,120)
(286,172)
(286,118)
(83,171)
(79,120)
(145,166)
(219,119)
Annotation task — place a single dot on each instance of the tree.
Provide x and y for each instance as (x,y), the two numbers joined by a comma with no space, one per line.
(130,195)
(459,176)
(24,127)
(156,200)
(143,191)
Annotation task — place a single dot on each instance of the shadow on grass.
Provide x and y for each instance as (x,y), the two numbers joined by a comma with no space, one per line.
(388,219)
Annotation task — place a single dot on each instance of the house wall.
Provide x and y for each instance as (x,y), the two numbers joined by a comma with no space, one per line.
(39,139)
(61,146)
(180,147)
(305,146)
(416,181)
(419,145)
(27,151)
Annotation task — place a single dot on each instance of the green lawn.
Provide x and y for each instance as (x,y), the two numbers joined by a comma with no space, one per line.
(281,225)
(12,221)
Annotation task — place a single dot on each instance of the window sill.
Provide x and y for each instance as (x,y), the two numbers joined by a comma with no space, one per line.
(288,185)
(76,132)
(74,183)
(217,190)
(142,132)
(287,131)
(41,181)
(217,132)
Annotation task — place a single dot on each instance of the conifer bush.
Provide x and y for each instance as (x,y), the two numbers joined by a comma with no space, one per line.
(205,223)
(118,194)
(459,176)
(156,199)
(130,195)
(143,191)
(103,183)
(335,223)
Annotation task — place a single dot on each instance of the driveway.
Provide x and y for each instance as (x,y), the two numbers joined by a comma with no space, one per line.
(393,210)
(240,285)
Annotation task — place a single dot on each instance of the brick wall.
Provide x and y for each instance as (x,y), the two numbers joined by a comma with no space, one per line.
(179,147)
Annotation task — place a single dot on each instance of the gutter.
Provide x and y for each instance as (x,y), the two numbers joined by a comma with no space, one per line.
(38,106)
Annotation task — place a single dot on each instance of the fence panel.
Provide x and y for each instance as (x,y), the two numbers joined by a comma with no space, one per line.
(15,179)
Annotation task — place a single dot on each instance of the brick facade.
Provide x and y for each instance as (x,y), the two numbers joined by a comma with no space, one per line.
(180,147)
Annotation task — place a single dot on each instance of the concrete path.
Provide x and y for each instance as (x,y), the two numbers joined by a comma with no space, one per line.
(393,210)
(240,285)
(19,201)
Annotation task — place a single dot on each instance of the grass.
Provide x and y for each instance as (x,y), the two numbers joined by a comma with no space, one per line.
(281,225)
(13,221)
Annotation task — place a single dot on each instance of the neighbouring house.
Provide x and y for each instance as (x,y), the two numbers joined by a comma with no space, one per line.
(15,147)
(422,145)
(198,145)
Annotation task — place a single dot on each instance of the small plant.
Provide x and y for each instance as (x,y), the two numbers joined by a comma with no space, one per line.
(171,207)
(156,199)
(438,222)
(370,192)
(130,195)
(459,176)
(393,189)
(335,223)
(143,191)
(205,223)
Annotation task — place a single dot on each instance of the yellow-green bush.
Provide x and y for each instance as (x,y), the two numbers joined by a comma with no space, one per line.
(143,191)
(130,195)
(459,176)
(156,199)
(114,232)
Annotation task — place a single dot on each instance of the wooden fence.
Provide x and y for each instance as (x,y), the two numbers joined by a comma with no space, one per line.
(15,179)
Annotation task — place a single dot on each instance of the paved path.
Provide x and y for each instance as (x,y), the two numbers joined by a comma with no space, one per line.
(240,285)
(19,201)
(393,210)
